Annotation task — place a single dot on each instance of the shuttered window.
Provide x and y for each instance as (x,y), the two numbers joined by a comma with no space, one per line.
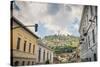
(18,43)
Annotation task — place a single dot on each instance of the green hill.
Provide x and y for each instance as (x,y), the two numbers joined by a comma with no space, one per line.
(61,43)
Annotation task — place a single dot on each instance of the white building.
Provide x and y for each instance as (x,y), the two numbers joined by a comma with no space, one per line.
(88,34)
(43,54)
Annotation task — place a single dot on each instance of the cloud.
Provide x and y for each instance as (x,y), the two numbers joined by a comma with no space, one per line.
(53,9)
(64,18)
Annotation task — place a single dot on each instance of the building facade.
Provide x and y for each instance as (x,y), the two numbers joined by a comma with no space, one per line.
(44,54)
(88,34)
(23,44)
(25,49)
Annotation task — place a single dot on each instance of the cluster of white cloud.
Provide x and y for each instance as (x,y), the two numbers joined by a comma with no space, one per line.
(64,18)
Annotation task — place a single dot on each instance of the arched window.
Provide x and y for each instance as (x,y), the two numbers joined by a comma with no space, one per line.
(39,54)
(18,43)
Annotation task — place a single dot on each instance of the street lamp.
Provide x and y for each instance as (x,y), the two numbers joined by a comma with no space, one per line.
(36,27)
(13,18)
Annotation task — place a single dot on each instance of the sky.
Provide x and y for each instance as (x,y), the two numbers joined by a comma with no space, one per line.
(52,18)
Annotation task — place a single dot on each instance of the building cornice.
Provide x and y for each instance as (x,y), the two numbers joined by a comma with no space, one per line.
(22,25)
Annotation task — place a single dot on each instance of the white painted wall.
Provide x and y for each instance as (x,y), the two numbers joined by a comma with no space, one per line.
(42,50)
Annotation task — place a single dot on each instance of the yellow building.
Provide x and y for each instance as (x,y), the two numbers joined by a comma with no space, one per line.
(23,44)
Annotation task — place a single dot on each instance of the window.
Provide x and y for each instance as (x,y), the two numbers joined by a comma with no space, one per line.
(18,43)
(87,19)
(16,63)
(96,10)
(96,14)
(86,59)
(33,48)
(28,63)
(32,62)
(91,10)
(50,56)
(89,41)
(95,57)
(93,36)
(29,47)
(47,55)
(89,59)
(24,45)
(23,62)
(39,54)
(44,55)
